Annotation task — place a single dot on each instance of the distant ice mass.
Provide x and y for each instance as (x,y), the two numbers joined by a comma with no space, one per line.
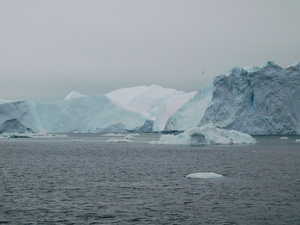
(85,115)
(121,111)
(207,175)
(206,135)
(74,94)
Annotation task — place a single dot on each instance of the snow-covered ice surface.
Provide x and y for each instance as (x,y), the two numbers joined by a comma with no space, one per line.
(205,175)
(206,135)
(191,113)
(146,100)
(257,101)
(74,94)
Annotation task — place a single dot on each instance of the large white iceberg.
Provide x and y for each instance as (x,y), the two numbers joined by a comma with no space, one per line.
(123,110)
(206,135)
(257,101)
(146,100)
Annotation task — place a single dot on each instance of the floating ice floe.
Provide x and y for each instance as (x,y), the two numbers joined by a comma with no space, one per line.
(123,140)
(207,175)
(283,138)
(206,134)
(297,140)
(77,140)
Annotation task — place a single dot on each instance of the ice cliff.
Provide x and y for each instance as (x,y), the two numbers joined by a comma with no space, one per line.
(123,110)
(257,101)
(84,114)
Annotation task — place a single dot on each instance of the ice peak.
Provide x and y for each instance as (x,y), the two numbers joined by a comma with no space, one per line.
(74,94)
(296,65)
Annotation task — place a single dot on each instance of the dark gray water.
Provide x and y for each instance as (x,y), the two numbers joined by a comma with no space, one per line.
(89,181)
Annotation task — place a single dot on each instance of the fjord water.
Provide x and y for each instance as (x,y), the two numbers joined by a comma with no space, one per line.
(85,180)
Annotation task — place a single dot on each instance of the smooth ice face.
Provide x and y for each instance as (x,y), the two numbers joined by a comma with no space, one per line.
(190,114)
(84,115)
(206,135)
(207,175)
(169,107)
(146,100)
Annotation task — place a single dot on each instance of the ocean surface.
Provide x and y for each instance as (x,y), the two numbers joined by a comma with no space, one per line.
(82,179)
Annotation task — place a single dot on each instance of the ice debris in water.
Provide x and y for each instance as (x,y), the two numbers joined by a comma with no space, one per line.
(207,175)
(123,140)
(297,140)
(207,134)
(31,135)
(283,138)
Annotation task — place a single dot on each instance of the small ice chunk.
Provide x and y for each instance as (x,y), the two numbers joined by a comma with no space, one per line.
(206,175)
(297,140)
(119,140)
(284,138)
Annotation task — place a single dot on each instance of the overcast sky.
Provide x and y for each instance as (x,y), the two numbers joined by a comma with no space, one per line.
(50,47)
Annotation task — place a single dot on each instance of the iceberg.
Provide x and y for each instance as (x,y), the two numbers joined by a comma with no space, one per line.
(121,111)
(257,101)
(207,175)
(82,114)
(190,114)
(206,135)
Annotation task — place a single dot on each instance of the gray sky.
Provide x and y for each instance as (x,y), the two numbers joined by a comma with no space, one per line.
(49,48)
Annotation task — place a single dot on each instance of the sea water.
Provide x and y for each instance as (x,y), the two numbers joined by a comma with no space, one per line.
(82,179)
